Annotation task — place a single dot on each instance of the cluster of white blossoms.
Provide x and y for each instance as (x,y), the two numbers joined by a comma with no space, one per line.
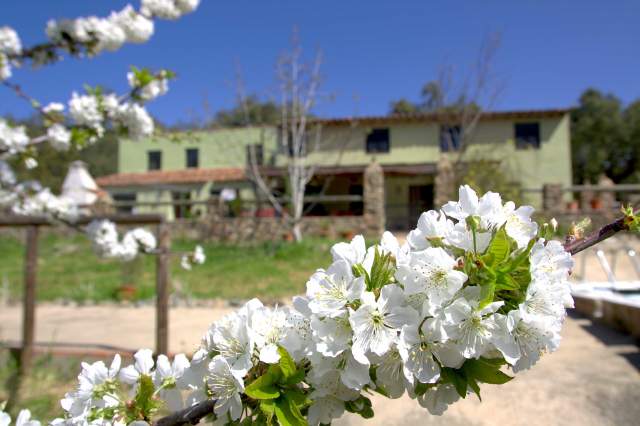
(112,32)
(23,418)
(196,257)
(10,45)
(477,291)
(107,244)
(151,90)
(87,116)
(13,139)
(168,9)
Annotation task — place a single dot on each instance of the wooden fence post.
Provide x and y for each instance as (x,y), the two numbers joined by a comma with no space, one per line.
(162,289)
(25,354)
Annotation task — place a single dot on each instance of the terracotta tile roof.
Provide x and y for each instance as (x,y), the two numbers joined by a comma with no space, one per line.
(440,117)
(155,177)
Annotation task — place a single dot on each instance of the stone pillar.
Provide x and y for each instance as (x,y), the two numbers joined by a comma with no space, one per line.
(586,199)
(608,196)
(552,201)
(444,182)
(373,199)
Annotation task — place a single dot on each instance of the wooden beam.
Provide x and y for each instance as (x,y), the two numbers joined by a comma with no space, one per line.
(162,289)
(120,219)
(25,353)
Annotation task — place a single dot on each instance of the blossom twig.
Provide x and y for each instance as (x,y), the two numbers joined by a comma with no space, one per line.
(574,246)
(191,415)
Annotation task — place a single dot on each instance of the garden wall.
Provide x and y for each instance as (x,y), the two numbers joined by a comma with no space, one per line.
(249,229)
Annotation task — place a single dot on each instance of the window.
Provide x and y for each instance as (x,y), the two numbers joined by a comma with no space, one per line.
(124,202)
(450,138)
(192,158)
(255,154)
(378,141)
(181,204)
(154,160)
(527,135)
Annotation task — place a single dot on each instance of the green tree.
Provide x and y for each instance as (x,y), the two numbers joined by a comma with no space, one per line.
(251,111)
(598,138)
(403,107)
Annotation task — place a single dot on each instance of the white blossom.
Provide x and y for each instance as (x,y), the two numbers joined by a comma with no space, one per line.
(225,385)
(431,271)
(94,389)
(136,120)
(85,111)
(165,9)
(353,252)
(9,41)
(167,377)
(53,108)
(24,419)
(12,139)
(59,137)
(230,338)
(330,291)
(488,208)
(432,226)
(376,323)
(137,27)
(437,399)
(143,366)
(519,225)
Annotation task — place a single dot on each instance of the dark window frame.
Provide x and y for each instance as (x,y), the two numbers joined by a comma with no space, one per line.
(129,198)
(527,135)
(450,137)
(378,141)
(192,162)
(154,160)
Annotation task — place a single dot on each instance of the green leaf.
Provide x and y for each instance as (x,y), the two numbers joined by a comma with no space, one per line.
(457,378)
(498,250)
(474,386)
(288,413)
(275,373)
(286,363)
(268,408)
(262,388)
(295,378)
(485,371)
(361,406)
(144,402)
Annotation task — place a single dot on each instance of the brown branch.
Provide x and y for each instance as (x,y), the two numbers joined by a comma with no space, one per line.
(191,415)
(574,246)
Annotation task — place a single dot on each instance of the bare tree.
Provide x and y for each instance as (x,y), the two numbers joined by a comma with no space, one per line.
(298,136)
(460,105)
(463,105)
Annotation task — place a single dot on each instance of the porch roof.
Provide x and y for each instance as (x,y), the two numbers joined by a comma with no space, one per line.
(158,177)
(391,169)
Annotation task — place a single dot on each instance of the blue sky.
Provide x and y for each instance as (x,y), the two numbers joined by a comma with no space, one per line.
(374,51)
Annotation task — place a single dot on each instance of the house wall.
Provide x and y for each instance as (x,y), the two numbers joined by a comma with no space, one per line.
(411,143)
(217,148)
(419,143)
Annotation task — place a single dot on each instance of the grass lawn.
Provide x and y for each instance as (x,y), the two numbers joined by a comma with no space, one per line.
(68,269)
(45,385)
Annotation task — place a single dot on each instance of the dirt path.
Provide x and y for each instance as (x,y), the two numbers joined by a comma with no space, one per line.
(591,380)
(125,327)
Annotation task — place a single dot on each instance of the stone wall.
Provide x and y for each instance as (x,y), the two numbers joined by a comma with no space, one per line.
(374,200)
(250,229)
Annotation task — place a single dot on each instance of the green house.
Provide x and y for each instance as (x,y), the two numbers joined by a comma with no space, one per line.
(178,174)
